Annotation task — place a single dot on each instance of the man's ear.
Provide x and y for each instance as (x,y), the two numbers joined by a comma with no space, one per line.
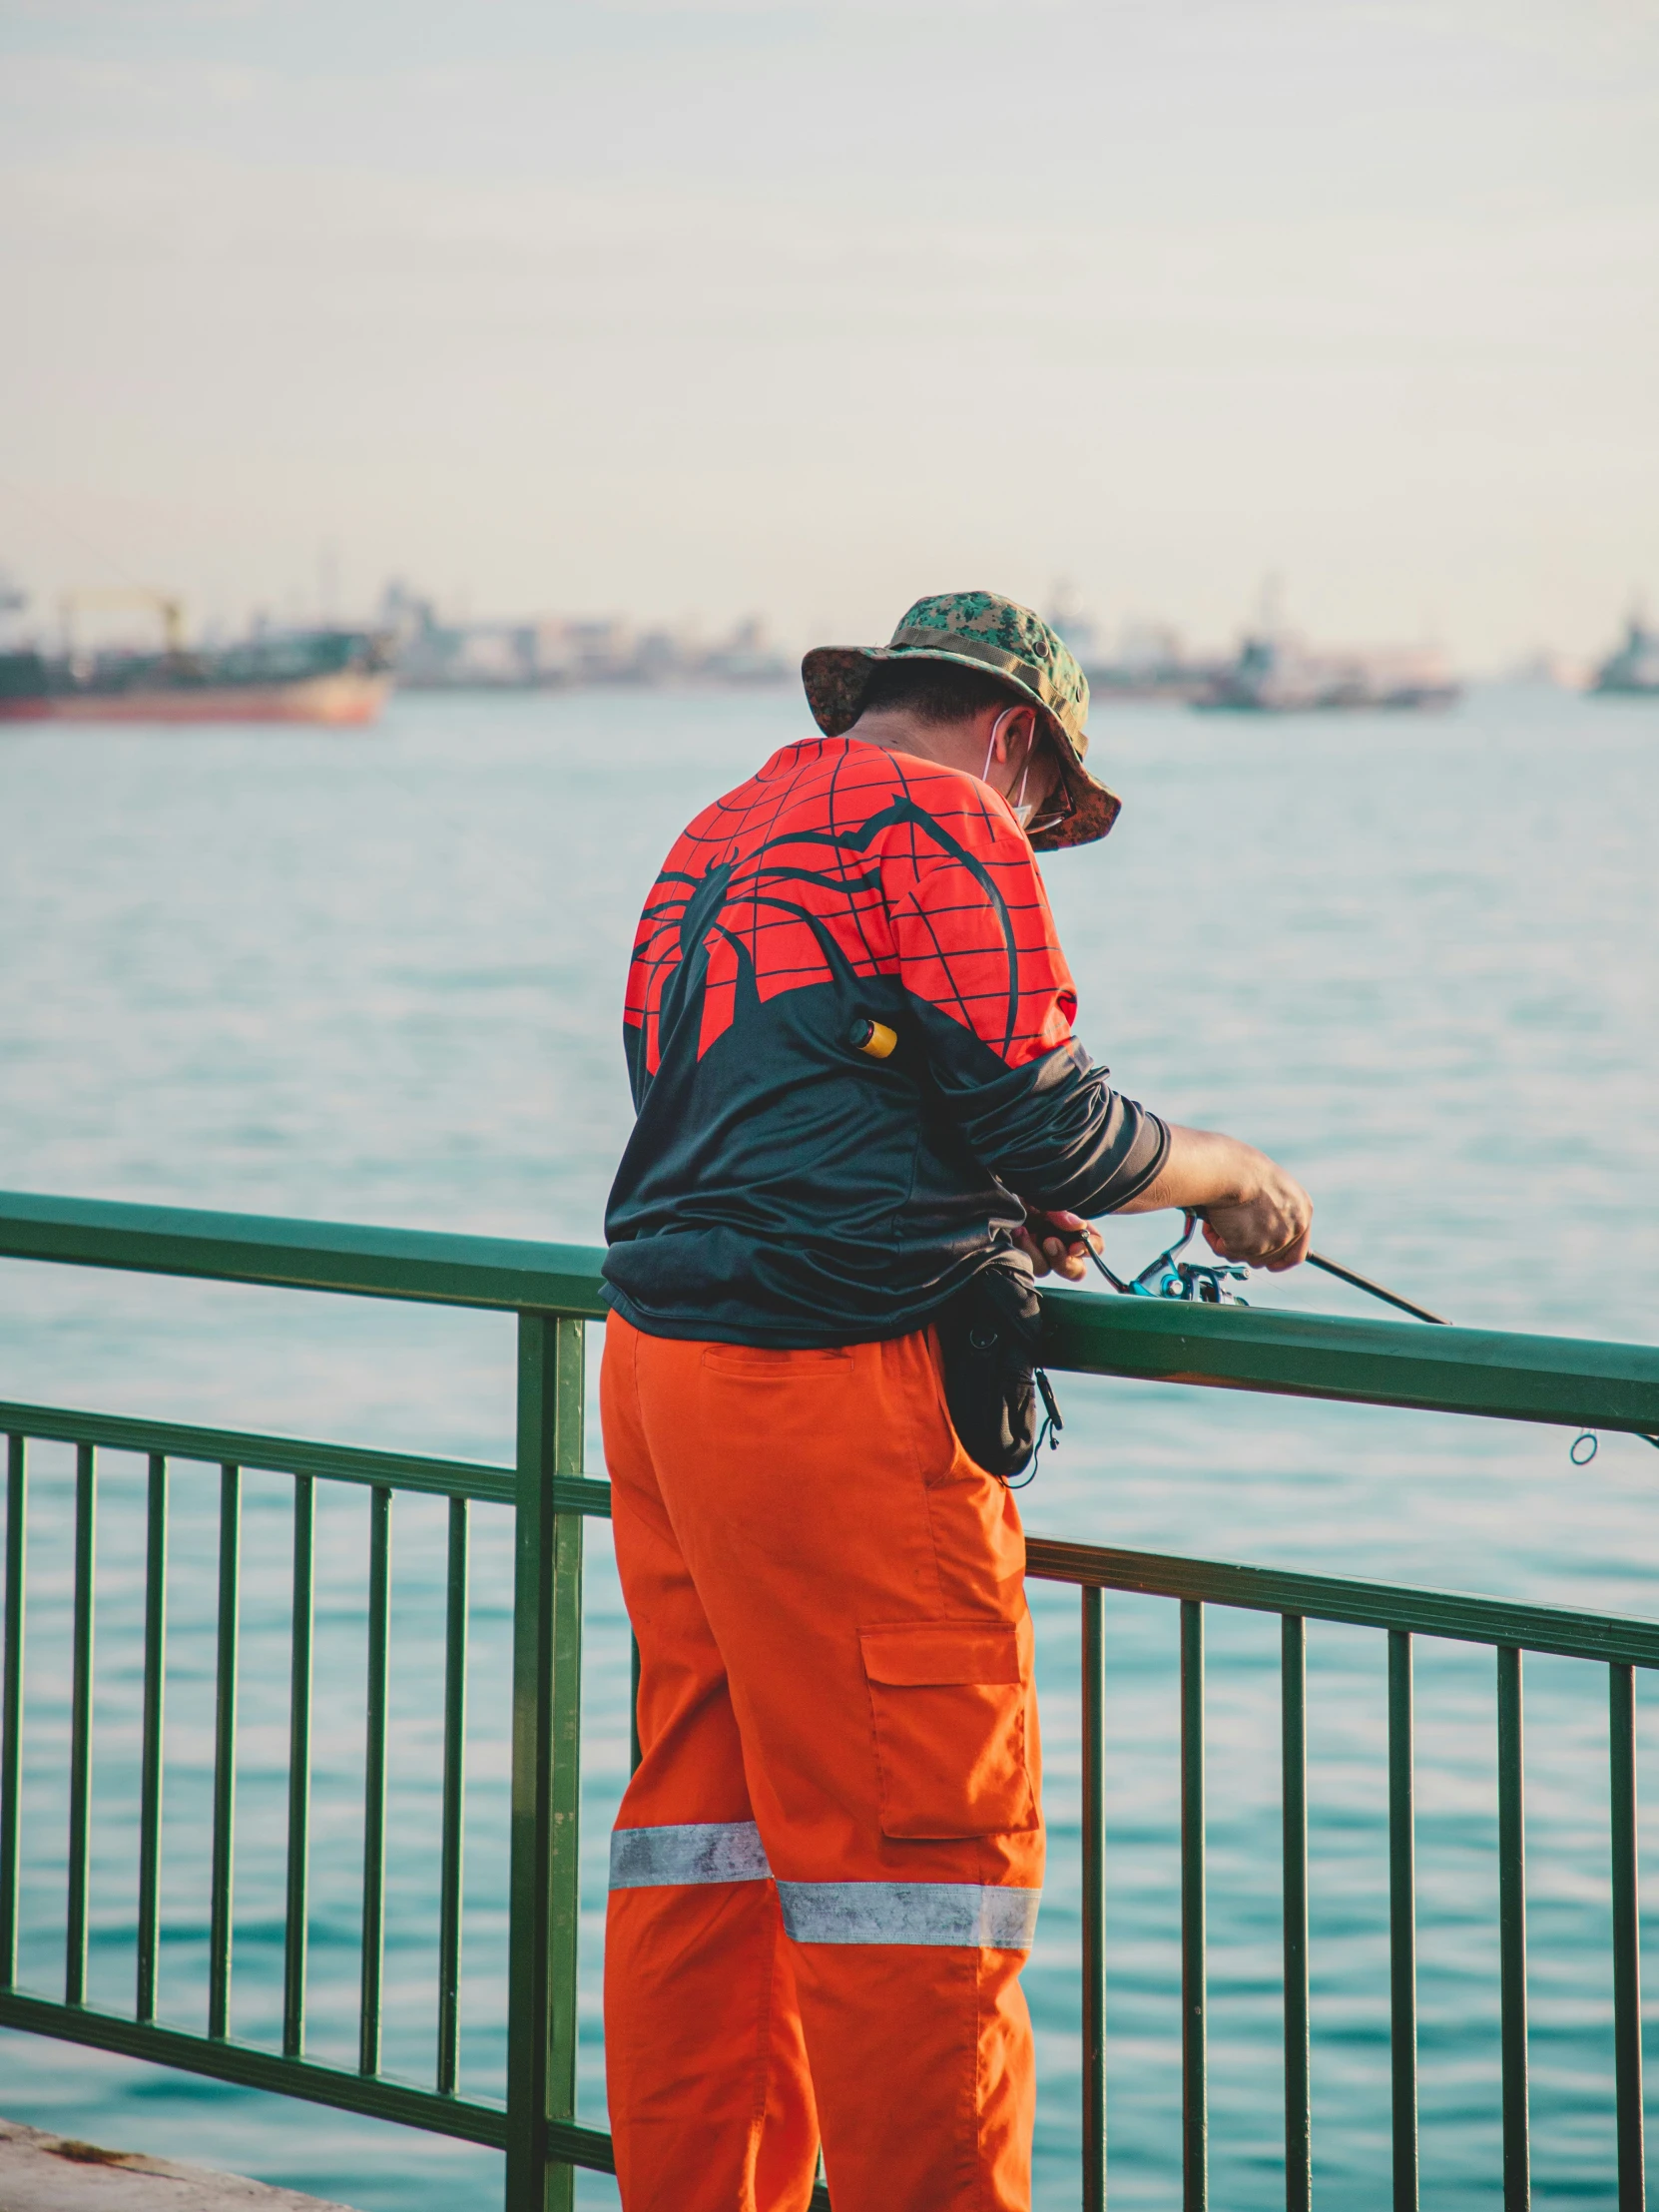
(1020,731)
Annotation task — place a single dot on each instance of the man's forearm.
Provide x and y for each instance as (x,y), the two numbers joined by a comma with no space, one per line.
(1200,1168)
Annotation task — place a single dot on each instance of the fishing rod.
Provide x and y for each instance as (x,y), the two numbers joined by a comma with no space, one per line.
(1169,1275)
(1375,1290)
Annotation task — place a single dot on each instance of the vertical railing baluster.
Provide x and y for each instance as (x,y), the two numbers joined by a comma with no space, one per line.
(150,1754)
(1627,1957)
(80,1724)
(565,1775)
(374,1781)
(1293,1699)
(298,1906)
(224,1751)
(454,1786)
(1094,1899)
(1511,1912)
(1403,1924)
(11,1703)
(547,1710)
(1195,2092)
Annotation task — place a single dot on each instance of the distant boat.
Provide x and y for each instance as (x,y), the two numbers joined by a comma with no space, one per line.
(338,677)
(1634,668)
(326,674)
(1276,674)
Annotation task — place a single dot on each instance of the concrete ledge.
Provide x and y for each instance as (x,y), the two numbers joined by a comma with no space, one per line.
(54,2173)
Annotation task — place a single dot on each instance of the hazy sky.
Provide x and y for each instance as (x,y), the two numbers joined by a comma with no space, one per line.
(686,309)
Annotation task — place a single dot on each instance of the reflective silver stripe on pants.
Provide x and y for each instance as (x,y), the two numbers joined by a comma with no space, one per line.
(701,1851)
(967,1913)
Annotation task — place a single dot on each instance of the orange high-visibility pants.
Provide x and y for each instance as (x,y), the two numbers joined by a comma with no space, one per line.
(824,1875)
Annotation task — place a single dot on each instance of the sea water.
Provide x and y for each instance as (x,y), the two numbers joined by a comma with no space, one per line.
(377,977)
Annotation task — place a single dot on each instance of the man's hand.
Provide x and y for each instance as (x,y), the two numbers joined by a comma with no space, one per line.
(1252,1209)
(1268,1229)
(1054,1242)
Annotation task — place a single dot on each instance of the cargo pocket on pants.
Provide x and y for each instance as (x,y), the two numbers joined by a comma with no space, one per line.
(947,1700)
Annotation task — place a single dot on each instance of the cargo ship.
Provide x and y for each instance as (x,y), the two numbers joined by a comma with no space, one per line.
(1275,675)
(332,676)
(1272,672)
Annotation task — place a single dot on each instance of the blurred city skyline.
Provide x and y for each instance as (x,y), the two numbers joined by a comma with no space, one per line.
(689,309)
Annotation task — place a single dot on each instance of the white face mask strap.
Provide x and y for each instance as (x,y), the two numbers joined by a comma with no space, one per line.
(996,732)
(985,771)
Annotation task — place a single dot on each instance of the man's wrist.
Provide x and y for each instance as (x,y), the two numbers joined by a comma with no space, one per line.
(1207,1167)
(1246,1179)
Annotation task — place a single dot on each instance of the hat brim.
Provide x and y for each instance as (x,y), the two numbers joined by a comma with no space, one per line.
(837,678)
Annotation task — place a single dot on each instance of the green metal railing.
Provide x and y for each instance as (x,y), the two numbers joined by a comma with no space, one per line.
(553,1290)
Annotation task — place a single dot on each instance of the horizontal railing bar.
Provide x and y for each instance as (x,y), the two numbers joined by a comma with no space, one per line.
(226,2060)
(1562,1380)
(1557,1379)
(1261,1589)
(397,1471)
(401,1470)
(376,2097)
(428,1266)
(1473,1620)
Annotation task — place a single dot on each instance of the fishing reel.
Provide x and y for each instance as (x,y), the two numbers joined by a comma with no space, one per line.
(1199,1282)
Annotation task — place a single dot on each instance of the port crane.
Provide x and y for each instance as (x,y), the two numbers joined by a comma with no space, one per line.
(169,608)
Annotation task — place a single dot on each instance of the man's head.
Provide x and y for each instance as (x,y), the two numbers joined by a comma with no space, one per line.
(970,719)
(960,660)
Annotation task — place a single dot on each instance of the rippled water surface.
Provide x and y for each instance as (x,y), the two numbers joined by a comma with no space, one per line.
(377,977)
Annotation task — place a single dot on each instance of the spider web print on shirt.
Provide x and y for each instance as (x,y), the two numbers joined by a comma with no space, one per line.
(838,860)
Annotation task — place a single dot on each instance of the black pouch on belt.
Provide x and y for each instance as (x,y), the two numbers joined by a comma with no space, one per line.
(992,1338)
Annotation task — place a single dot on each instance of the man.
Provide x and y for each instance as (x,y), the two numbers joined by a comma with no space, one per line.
(848,1032)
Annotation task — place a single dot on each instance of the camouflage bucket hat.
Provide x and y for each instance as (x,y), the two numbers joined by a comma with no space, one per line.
(977,629)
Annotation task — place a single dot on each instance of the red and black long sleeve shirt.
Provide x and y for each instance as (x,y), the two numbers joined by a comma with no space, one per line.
(781,1185)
